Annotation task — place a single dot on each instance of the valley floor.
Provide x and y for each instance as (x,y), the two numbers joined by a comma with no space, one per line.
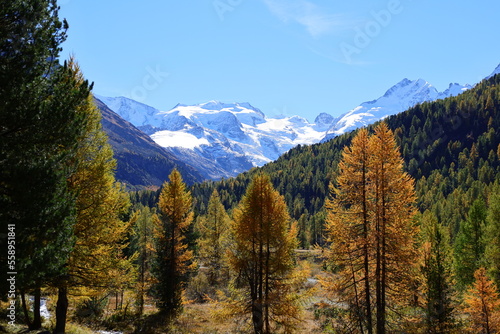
(196,317)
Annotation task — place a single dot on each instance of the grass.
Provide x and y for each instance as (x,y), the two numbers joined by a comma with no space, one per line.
(71,328)
(196,318)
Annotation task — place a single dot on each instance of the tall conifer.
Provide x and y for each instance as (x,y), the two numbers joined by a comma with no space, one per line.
(482,303)
(470,244)
(350,229)
(393,199)
(263,258)
(371,230)
(438,287)
(145,225)
(174,260)
(39,128)
(214,240)
(492,235)
(96,261)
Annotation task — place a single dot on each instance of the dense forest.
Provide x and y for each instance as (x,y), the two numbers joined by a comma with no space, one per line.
(393,228)
(450,147)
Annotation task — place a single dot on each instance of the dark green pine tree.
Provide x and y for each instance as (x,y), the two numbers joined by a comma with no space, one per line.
(492,235)
(438,277)
(39,129)
(469,244)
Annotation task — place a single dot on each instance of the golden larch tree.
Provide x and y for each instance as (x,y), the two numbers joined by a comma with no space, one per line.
(263,258)
(482,304)
(144,228)
(349,228)
(97,263)
(371,231)
(214,241)
(174,260)
(395,233)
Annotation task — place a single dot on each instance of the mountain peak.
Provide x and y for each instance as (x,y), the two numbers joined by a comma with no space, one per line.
(212,105)
(495,72)
(422,82)
(406,85)
(233,107)
(324,118)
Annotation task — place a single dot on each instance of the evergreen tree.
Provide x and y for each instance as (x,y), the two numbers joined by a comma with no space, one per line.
(39,128)
(144,229)
(438,277)
(492,235)
(469,244)
(174,260)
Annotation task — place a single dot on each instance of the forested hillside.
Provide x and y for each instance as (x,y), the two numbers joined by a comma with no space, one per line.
(450,146)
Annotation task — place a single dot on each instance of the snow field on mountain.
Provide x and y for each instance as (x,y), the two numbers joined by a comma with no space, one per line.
(237,135)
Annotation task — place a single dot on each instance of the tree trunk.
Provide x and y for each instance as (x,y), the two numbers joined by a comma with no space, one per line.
(359,314)
(384,262)
(61,311)
(378,272)
(37,320)
(140,298)
(267,289)
(366,251)
(257,317)
(25,309)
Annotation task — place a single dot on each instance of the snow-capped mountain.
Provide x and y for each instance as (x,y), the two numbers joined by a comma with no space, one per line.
(233,137)
(398,98)
(225,139)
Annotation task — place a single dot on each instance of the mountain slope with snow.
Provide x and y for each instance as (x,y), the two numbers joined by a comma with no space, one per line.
(225,139)
(141,163)
(232,136)
(398,98)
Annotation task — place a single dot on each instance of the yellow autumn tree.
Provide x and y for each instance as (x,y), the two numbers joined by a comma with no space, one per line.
(144,228)
(348,227)
(97,258)
(370,229)
(214,241)
(395,233)
(262,258)
(97,263)
(482,304)
(174,260)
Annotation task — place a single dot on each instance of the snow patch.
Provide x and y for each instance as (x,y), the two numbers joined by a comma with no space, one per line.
(167,138)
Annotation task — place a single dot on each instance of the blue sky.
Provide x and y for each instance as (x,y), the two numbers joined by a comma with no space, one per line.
(292,57)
